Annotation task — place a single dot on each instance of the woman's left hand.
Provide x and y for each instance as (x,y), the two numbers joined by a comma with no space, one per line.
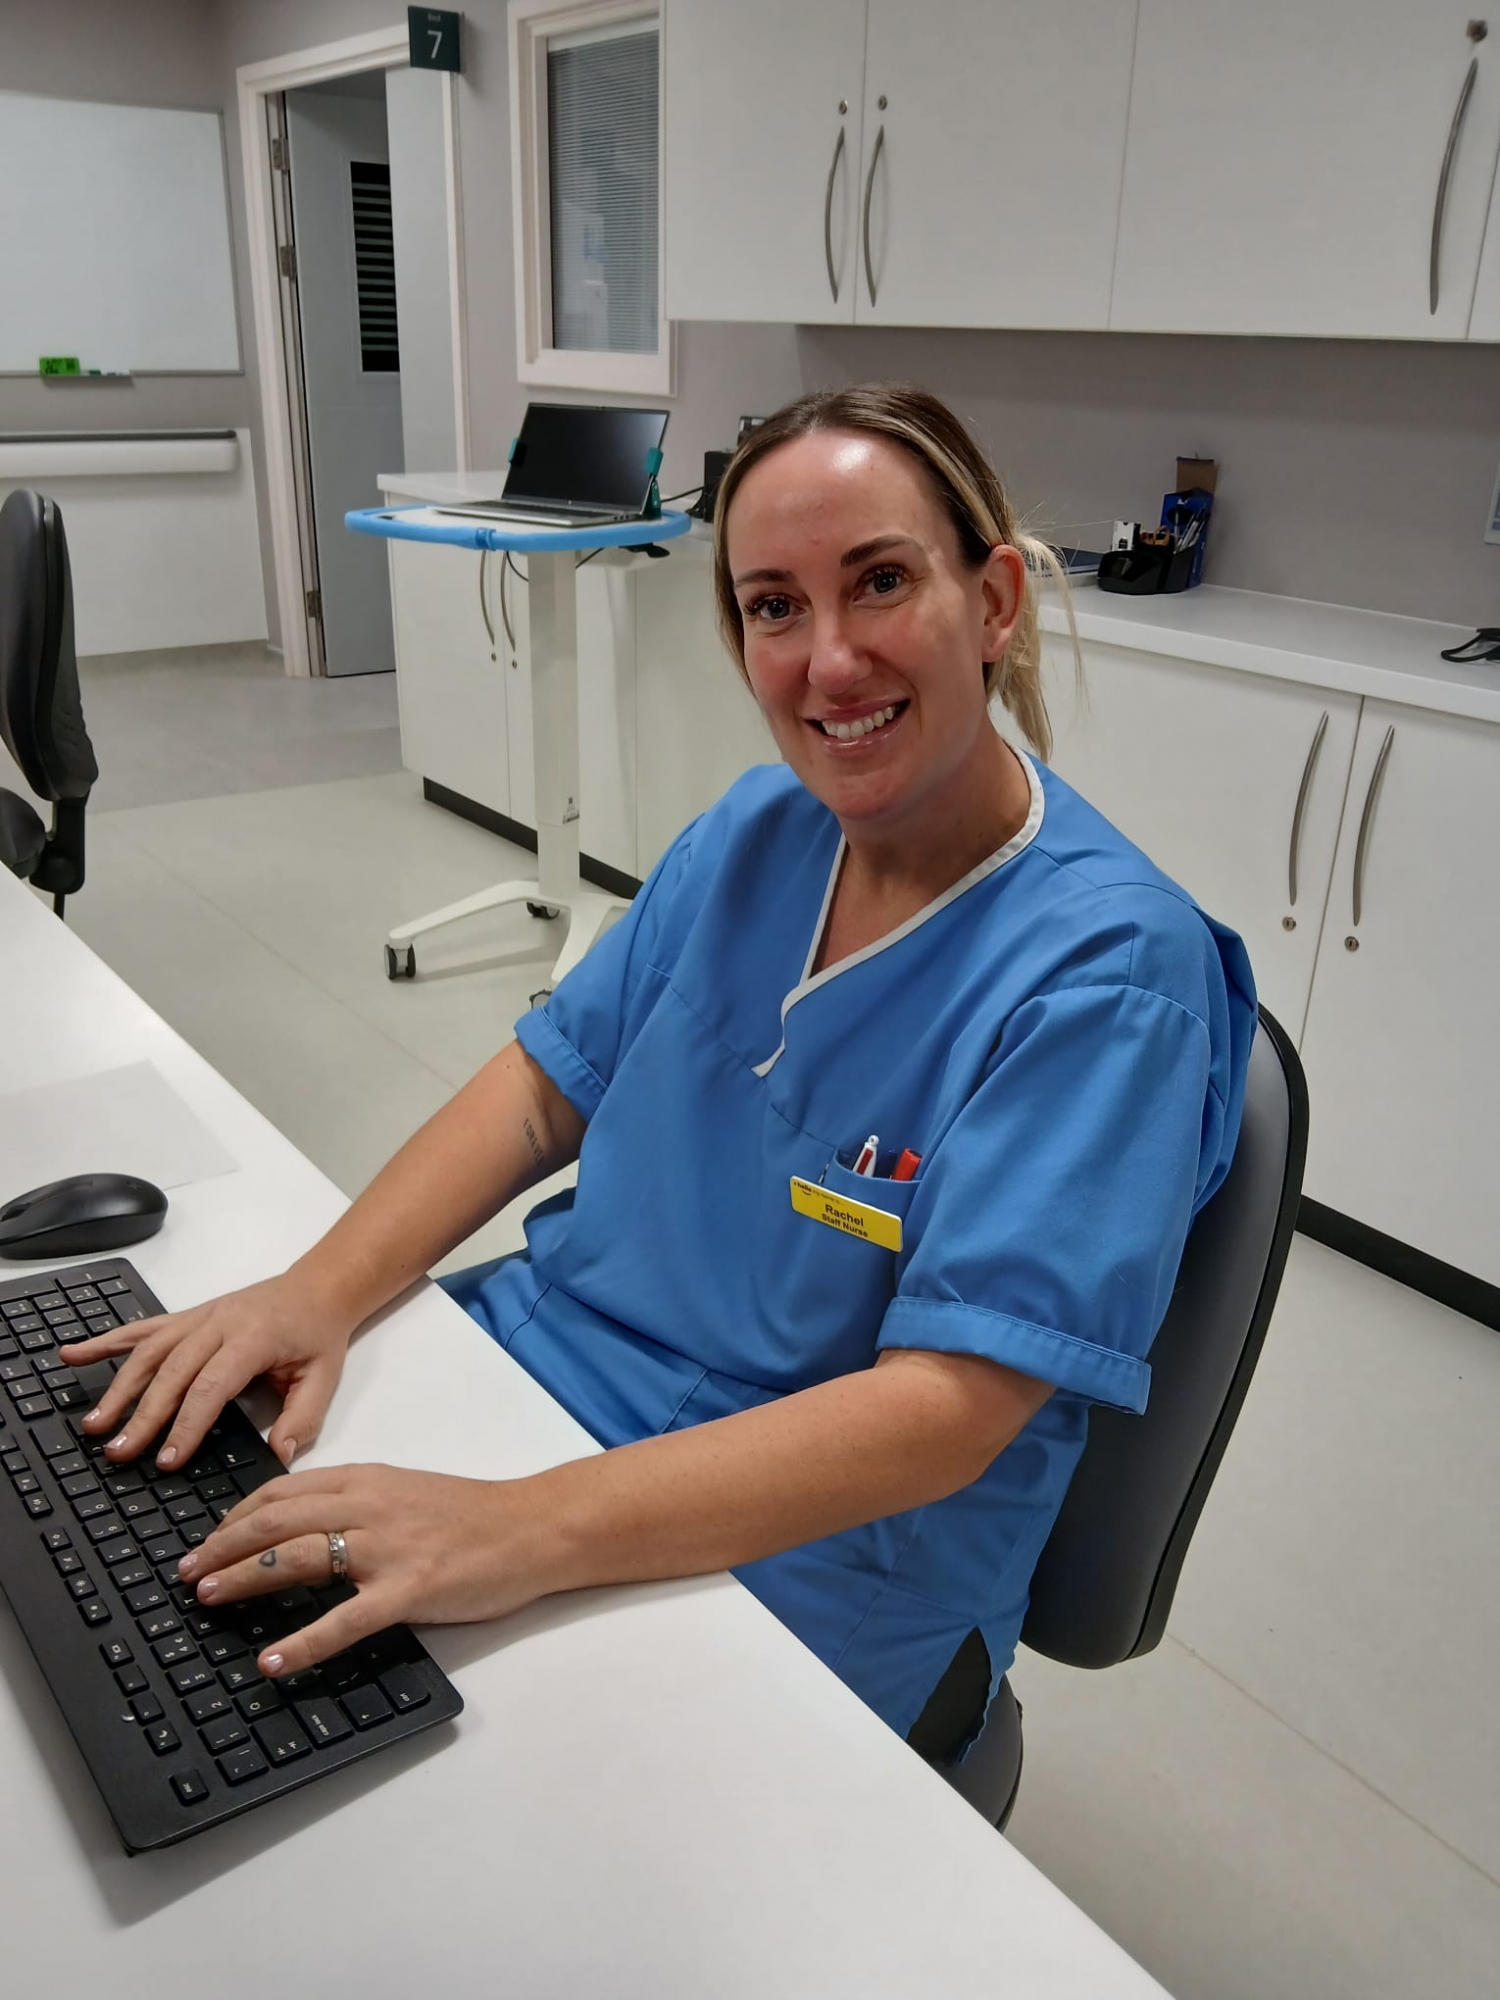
(421,1547)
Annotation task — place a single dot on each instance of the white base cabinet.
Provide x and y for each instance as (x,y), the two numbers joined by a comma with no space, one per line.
(1231,782)
(1402,1047)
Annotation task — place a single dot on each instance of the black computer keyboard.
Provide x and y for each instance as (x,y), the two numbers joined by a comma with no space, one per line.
(176,1724)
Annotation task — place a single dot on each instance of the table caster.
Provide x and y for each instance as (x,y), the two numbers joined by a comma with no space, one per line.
(542,993)
(543,910)
(400,961)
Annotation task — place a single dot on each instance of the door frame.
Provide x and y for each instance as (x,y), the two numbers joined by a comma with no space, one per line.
(384,48)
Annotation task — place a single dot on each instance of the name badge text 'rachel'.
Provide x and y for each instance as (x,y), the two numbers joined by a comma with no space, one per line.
(853,1218)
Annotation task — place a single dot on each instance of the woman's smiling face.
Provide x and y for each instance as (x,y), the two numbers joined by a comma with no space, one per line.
(864,629)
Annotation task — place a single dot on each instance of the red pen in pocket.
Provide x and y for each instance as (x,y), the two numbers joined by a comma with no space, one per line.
(905,1168)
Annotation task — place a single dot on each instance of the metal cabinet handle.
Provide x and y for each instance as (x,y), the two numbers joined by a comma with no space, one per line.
(484,603)
(865,222)
(1302,791)
(1441,202)
(1367,820)
(838,153)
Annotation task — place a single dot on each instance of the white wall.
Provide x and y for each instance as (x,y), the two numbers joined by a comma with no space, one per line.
(419,199)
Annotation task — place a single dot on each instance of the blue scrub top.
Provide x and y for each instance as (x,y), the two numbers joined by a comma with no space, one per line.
(1062,1036)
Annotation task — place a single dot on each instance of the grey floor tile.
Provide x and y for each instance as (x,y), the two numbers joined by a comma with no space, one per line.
(1230,1858)
(1345,1570)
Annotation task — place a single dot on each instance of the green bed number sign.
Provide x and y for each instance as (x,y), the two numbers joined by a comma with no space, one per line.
(433,35)
(59,364)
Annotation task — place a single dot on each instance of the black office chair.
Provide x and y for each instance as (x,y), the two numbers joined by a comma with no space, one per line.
(1104,1583)
(41,716)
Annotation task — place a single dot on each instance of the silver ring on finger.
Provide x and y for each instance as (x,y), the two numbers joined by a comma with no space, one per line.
(338,1556)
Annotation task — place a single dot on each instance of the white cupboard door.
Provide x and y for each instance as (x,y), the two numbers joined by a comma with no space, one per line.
(1204,768)
(762,144)
(1402,1048)
(450,691)
(1284,162)
(1484,320)
(515,658)
(606,710)
(994,140)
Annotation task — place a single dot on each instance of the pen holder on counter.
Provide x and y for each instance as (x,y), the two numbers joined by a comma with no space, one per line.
(1168,558)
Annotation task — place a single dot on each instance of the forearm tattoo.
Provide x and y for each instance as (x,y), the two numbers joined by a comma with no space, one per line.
(538,1150)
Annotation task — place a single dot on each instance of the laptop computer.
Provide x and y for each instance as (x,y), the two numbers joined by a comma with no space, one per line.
(577,465)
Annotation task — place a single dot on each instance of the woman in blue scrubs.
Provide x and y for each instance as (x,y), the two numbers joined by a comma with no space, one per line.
(893,1097)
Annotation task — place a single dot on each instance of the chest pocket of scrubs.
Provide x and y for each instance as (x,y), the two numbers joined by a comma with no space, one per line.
(825,1292)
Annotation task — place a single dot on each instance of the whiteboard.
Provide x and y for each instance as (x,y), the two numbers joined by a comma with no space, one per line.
(114,238)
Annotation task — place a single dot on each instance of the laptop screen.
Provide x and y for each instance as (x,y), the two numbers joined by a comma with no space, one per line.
(580,455)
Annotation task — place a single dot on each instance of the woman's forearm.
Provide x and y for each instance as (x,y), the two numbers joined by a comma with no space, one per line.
(508,1128)
(903,1434)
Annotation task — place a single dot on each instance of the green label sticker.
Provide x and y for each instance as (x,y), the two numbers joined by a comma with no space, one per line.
(59,364)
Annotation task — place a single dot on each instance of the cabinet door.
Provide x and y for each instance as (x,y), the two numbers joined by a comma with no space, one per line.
(1484,320)
(1404,1025)
(1000,129)
(1283,164)
(1203,767)
(450,690)
(762,144)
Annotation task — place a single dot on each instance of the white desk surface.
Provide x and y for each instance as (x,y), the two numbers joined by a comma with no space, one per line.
(652,1791)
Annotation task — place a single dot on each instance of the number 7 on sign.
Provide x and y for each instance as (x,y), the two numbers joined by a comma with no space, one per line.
(432,38)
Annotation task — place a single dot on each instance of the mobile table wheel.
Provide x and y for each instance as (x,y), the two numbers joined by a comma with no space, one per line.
(400,961)
(543,909)
(542,993)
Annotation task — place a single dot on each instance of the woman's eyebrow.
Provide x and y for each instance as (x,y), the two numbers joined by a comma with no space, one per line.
(762,576)
(852,558)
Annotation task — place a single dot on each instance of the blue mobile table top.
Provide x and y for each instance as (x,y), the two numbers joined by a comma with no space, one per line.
(425,522)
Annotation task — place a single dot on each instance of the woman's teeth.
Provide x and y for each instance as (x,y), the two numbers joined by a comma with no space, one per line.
(865,726)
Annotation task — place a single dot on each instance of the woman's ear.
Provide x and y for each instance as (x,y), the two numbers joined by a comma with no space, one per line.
(1003,588)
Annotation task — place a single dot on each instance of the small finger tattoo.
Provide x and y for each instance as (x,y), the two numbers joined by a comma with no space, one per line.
(268,1560)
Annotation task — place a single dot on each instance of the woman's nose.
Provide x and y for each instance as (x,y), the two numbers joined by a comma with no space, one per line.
(833,664)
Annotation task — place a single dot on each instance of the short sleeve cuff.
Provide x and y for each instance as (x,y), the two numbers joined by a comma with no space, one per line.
(948,1326)
(551,1050)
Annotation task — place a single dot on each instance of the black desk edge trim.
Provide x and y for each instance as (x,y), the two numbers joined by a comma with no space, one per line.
(1395,1259)
(613,880)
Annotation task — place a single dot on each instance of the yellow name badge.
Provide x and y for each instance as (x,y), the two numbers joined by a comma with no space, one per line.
(854,1218)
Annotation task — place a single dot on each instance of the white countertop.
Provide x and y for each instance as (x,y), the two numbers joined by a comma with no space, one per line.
(1291,639)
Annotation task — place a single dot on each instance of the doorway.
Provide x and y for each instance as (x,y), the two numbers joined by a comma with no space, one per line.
(352,197)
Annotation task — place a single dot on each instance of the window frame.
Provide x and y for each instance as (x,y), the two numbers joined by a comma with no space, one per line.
(538,362)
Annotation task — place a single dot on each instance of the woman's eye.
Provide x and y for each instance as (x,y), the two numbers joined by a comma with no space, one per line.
(770,610)
(885,578)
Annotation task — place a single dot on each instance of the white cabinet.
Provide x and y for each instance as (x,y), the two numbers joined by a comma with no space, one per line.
(1232,782)
(762,157)
(1402,1047)
(454,727)
(1000,132)
(1283,167)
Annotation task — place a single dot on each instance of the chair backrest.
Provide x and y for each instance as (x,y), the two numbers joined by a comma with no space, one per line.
(41,714)
(1104,1585)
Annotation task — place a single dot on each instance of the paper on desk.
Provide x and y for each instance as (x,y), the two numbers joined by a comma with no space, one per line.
(118,1121)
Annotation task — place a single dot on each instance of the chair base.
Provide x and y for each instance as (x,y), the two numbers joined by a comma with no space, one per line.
(990,1776)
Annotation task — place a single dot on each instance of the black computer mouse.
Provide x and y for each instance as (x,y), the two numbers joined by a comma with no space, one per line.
(81,1215)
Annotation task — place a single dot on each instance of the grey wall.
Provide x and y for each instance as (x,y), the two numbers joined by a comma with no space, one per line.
(164,52)
(414,120)
(1351,472)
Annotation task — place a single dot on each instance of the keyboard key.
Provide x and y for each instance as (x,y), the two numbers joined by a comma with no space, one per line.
(28,1323)
(62,1316)
(130,1575)
(227,1646)
(146,1597)
(234,1456)
(27,1482)
(147,1522)
(68,1563)
(17,1370)
(94,1611)
(157,1624)
(218,1487)
(223,1732)
(202,1624)
(206,1703)
(121,1550)
(366,1707)
(146,1708)
(36,1406)
(82,1585)
(69,1463)
(110,1287)
(403,1688)
(189,1787)
(170,1488)
(127,1310)
(190,1509)
(71,1397)
(136,1504)
(195,1533)
(324,1721)
(56,1538)
(126,1480)
(76,1294)
(261,1699)
(14,1462)
(163,1738)
(92,1505)
(281,1739)
(37,1505)
(239,1674)
(107,1528)
(174,1649)
(49,1302)
(162,1548)
(13,1308)
(49,1363)
(80,1484)
(116,1653)
(194,1675)
(130,1680)
(242,1764)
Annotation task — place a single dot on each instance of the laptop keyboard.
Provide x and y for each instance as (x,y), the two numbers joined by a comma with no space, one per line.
(177,1726)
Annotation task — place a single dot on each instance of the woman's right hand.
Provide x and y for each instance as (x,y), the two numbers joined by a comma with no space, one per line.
(192,1363)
